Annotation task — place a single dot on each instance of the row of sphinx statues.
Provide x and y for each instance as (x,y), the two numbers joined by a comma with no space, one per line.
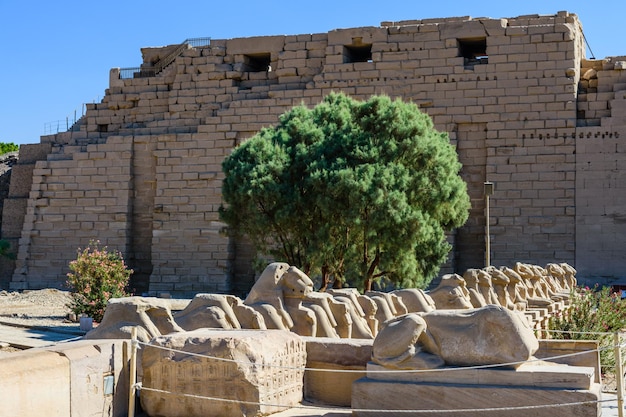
(283,297)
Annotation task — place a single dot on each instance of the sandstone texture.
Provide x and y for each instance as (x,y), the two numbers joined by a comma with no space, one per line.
(239,372)
(141,171)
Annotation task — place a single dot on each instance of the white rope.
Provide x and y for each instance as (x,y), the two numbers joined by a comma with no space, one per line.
(368,410)
(577,332)
(139,386)
(390,371)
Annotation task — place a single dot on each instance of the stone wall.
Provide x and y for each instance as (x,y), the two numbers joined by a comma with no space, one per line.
(142,173)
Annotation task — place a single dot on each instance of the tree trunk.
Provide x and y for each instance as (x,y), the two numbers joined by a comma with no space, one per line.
(368,284)
(325,278)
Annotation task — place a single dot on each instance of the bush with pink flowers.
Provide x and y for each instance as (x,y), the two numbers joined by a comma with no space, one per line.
(594,314)
(98,275)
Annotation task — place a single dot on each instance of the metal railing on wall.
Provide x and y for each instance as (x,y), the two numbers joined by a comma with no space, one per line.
(151,71)
(58,126)
(65,125)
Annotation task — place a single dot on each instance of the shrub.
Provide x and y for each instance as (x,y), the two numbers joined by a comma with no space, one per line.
(97,276)
(8,147)
(595,314)
(5,250)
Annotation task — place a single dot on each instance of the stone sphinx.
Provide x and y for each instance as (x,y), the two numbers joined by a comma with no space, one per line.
(476,283)
(451,293)
(483,336)
(266,297)
(285,292)
(151,316)
(500,283)
(360,325)
(222,311)
(388,305)
(534,293)
(415,300)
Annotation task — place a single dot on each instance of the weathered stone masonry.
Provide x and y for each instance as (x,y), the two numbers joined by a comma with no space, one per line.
(142,170)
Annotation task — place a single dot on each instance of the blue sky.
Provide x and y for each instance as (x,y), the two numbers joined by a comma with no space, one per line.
(57,55)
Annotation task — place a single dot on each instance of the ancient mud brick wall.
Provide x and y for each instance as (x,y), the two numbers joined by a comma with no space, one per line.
(600,169)
(507,91)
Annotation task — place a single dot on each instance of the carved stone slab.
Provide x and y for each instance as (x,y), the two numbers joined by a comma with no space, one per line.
(241,372)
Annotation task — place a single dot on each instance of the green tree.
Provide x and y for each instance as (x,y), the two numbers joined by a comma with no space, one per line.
(8,147)
(356,190)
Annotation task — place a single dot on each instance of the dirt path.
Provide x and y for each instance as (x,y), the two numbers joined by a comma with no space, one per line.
(33,309)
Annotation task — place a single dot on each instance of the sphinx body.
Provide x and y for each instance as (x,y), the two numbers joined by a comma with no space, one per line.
(482,336)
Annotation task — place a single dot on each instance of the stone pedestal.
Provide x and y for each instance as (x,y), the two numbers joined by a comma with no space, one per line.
(532,389)
(345,357)
(240,372)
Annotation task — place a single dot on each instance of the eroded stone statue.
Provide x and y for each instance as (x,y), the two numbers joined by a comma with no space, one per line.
(415,300)
(283,298)
(451,293)
(483,336)
(151,316)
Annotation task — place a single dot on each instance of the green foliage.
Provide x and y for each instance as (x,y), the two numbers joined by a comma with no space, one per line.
(5,250)
(595,314)
(8,147)
(97,276)
(357,190)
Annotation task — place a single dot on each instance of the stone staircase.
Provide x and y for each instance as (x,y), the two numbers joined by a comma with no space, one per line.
(602,94)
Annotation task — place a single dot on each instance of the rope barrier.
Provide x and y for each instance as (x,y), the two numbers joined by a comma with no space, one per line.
(370,410)
(577,332)
(137,387)
(390,371)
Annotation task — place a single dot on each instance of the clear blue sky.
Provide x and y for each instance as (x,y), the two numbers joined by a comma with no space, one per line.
(55,56)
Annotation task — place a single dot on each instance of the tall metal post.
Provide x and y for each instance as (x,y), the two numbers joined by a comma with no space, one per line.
(619,374)
(488,191)
(132,394)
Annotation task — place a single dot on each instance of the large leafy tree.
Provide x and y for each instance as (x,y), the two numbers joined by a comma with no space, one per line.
(355,190)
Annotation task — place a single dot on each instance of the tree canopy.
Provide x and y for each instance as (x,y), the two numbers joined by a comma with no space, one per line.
(6,147)
(355,190)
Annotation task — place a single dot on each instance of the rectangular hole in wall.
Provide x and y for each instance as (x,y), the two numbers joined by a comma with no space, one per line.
(257,62)
(360,53)
(473,51)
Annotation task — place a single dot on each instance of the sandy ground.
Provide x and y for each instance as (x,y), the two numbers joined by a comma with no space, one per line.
(39,308)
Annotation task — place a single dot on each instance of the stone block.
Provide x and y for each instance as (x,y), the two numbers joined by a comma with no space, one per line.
(530,374)
(255,45)
(21,180)
(92,362)
(357,36)
(241,372)
(30,154)
(462,30)
(570,352)
(342,355)
(13,211)
(514,392)
(35,383)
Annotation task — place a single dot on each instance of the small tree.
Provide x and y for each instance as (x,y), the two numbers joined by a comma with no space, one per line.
(97,276)
(358,190)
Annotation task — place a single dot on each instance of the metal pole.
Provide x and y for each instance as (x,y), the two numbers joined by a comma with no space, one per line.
(132,391)
(488,189)
(487,236)
(619,375)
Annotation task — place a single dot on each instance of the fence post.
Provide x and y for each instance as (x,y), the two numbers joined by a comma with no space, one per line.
(619,375)
(133,372)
